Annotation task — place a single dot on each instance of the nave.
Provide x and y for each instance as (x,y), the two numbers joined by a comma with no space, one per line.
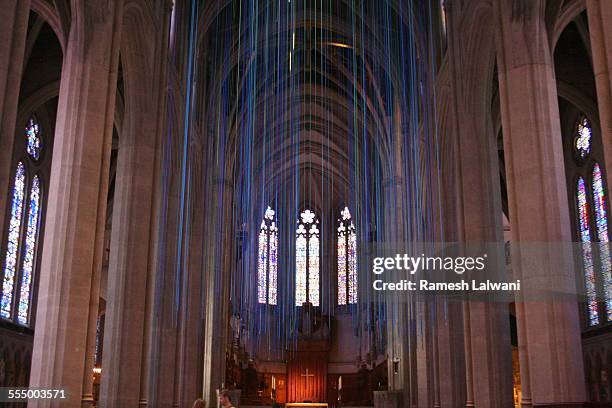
(192,192)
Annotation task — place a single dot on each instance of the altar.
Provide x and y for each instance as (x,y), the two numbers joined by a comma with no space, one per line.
(306,404)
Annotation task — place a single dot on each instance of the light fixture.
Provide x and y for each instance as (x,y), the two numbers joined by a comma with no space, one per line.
(339,45)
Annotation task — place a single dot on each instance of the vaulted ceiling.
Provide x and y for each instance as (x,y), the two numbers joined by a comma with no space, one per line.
(311,87)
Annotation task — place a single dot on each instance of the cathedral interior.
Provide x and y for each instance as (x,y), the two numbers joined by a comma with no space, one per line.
(194,192)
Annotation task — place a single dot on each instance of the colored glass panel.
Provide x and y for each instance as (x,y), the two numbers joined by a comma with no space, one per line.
(10,264)
(267,260)
(262,264)
(601,224)
(307,260)
(300,269)
(273,262)
(34,142)
(352,267)
(313,266)
(347,264)
(587,253)
(582,140)
(29,252)
(342,281)
(99,341)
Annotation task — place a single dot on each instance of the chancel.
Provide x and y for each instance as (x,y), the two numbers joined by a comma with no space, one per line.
(196,198)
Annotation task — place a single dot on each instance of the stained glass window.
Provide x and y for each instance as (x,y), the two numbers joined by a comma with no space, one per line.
(300,267)
(352,266)
(601,225)
(99,341)
(22,235)
(347,265)
(34,142)
(12,250)
(587,253)
(262,265)
(582,139)
(267,260)
(342,267)
(313,266)
(273,271)
(29,252)
(307,263)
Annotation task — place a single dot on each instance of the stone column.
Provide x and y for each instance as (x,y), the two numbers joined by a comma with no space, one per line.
(13,32)
(398,360)
(600,15)
(164,301)
(218,264)
(401,313)
(486,327)
(131,266)
(77,201)
(400,327)
(425,354)
(548,327)
(129,261)
(449,338)
(188,370)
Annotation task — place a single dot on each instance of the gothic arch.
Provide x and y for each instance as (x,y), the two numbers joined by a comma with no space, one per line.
(565,17)
(39,98)
(56,19)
